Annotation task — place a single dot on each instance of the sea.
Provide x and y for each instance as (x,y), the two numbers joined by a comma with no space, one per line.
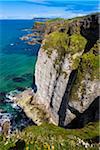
(17,64)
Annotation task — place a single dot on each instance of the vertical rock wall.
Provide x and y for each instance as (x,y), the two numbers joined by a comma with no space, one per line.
(56,89)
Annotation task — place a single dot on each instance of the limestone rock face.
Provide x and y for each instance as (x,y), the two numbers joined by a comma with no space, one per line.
(51,85)
(56,82)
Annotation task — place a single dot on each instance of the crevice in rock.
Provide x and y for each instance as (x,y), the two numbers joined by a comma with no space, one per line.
(54,87)
(89,45)
(57,78)
(90,30)
(74,111)
(34,86)
(91,114)
(65,99)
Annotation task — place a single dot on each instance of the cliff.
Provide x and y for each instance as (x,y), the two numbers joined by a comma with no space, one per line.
(66,75)
(67,69)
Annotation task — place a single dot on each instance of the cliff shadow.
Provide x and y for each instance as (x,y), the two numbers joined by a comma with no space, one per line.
(21,121)
(65,98)
(34,86)
(90,30)
(19,145)
(89,115)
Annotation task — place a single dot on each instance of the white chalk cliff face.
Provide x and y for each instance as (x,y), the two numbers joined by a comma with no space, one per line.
(51,85)
(56,89)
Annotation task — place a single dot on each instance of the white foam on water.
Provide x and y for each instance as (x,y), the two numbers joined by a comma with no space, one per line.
(11,44)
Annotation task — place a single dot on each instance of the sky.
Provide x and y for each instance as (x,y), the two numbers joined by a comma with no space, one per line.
(28,9)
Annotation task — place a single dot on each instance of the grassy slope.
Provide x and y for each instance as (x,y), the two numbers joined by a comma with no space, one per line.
(50,137)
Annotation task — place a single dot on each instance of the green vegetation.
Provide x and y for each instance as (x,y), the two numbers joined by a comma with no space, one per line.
(56,40)
(77,43)
(76,18)
(76,62)
(55,19)
(89,66)
(39,23)
(50,137)
(63,44)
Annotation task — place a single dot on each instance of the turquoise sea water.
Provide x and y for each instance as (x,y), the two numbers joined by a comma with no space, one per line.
(17,66)
(17,58)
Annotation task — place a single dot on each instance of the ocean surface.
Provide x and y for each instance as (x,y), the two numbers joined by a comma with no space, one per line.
(17,67)
(17,58)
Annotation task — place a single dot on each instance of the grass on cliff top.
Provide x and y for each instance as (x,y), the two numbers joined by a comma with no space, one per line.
(55,19)
(39,23)
(62,43)
(50,137)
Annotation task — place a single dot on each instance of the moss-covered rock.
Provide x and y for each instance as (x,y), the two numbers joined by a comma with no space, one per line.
(88,66)
(63,44)
(76,62)
(77,43)
(56,40)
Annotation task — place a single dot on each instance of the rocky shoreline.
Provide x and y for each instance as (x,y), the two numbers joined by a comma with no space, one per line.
(13,114)
(36,36)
